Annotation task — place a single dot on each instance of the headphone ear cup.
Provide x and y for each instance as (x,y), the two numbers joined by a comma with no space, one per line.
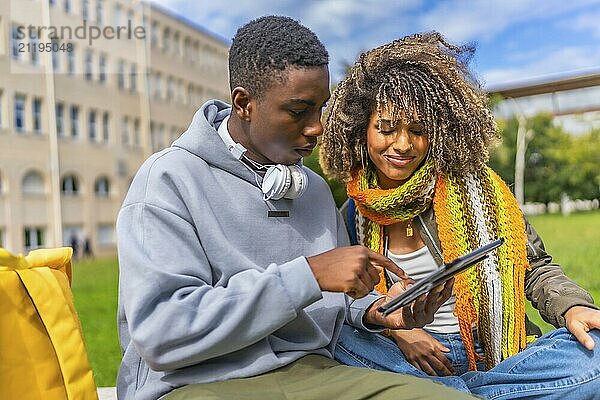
(284,181)
(299,182)
(276,182)
(287,180)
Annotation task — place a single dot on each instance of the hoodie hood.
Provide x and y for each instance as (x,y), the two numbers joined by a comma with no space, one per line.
(201,139)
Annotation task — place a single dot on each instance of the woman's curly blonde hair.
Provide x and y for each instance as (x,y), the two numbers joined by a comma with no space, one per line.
(426,76)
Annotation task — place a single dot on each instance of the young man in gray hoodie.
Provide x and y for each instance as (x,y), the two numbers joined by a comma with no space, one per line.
(235,270)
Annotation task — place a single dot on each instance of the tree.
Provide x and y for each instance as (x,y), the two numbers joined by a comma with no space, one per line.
(556,162)
(545,163)
(583,175)
(337,188)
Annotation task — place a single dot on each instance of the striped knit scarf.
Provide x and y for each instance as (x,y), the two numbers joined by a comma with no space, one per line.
(470,212)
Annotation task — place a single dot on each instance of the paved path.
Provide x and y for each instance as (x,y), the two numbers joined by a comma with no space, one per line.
(107,393)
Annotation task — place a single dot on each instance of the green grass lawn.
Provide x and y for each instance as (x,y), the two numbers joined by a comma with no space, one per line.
(572,240)
(95,285)
(573,243)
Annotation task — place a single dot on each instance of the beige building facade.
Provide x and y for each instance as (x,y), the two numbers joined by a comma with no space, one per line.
(81,109)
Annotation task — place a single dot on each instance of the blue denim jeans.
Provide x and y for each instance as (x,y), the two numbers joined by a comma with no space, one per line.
(556,366)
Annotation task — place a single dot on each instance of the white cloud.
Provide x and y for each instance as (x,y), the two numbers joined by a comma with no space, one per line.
(343,18)
(563,62)
(469,20)
(348,27)
(224,20)
(589,22)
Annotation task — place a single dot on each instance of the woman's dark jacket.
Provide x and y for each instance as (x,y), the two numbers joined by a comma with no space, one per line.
(546,285)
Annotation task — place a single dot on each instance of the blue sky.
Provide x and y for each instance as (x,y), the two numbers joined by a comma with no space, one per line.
(518,41)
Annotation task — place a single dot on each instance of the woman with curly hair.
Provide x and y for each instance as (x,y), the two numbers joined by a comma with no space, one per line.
(408,130)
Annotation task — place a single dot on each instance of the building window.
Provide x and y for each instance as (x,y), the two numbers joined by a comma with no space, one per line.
(154,34)
(33,183)
(74,121)
(180,91)
(169,89)
(105,235)
(2,237)
(196,53)
(150,81)
(157,84)
(176,44)
(36,109)
(1,186)
(133,78)
(121,74)
(187,49)
(67,6)
(153,135)
(19,113)
(69,185)
(99,12)
(136,132)
(190,95)
(34,41)
(92,125)
(161,137)
(71,61)
(166,40)
(122,169)
(60,125)
(157,133)
(130,17)
(105,127)
(102,187)
(34,238)
(125,131)
(15,41)
(88,65)
(55,56)
(102,68)
(117,15)
(71,236)
(85,9)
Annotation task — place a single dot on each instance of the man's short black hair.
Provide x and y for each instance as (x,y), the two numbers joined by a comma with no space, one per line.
(263,48)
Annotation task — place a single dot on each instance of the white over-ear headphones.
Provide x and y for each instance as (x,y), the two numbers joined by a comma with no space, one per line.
(284,181)
(280,181)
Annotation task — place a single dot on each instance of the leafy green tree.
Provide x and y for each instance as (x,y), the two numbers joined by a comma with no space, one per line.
(502,158)
(337,188)
(556,162)
(583,175)
(545,161)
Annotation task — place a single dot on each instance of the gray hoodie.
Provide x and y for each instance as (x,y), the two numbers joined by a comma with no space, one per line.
(211,288)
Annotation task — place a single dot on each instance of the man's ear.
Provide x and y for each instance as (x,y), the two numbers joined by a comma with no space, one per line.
(242,103)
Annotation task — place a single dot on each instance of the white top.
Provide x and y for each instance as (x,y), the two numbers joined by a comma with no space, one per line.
(417,265)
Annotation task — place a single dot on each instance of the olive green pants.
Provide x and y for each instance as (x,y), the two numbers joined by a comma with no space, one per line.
(315,377)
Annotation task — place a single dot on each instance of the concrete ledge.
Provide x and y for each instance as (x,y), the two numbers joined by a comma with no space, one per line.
(107,393)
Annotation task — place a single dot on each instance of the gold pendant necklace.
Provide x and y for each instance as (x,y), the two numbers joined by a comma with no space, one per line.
(409,228)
